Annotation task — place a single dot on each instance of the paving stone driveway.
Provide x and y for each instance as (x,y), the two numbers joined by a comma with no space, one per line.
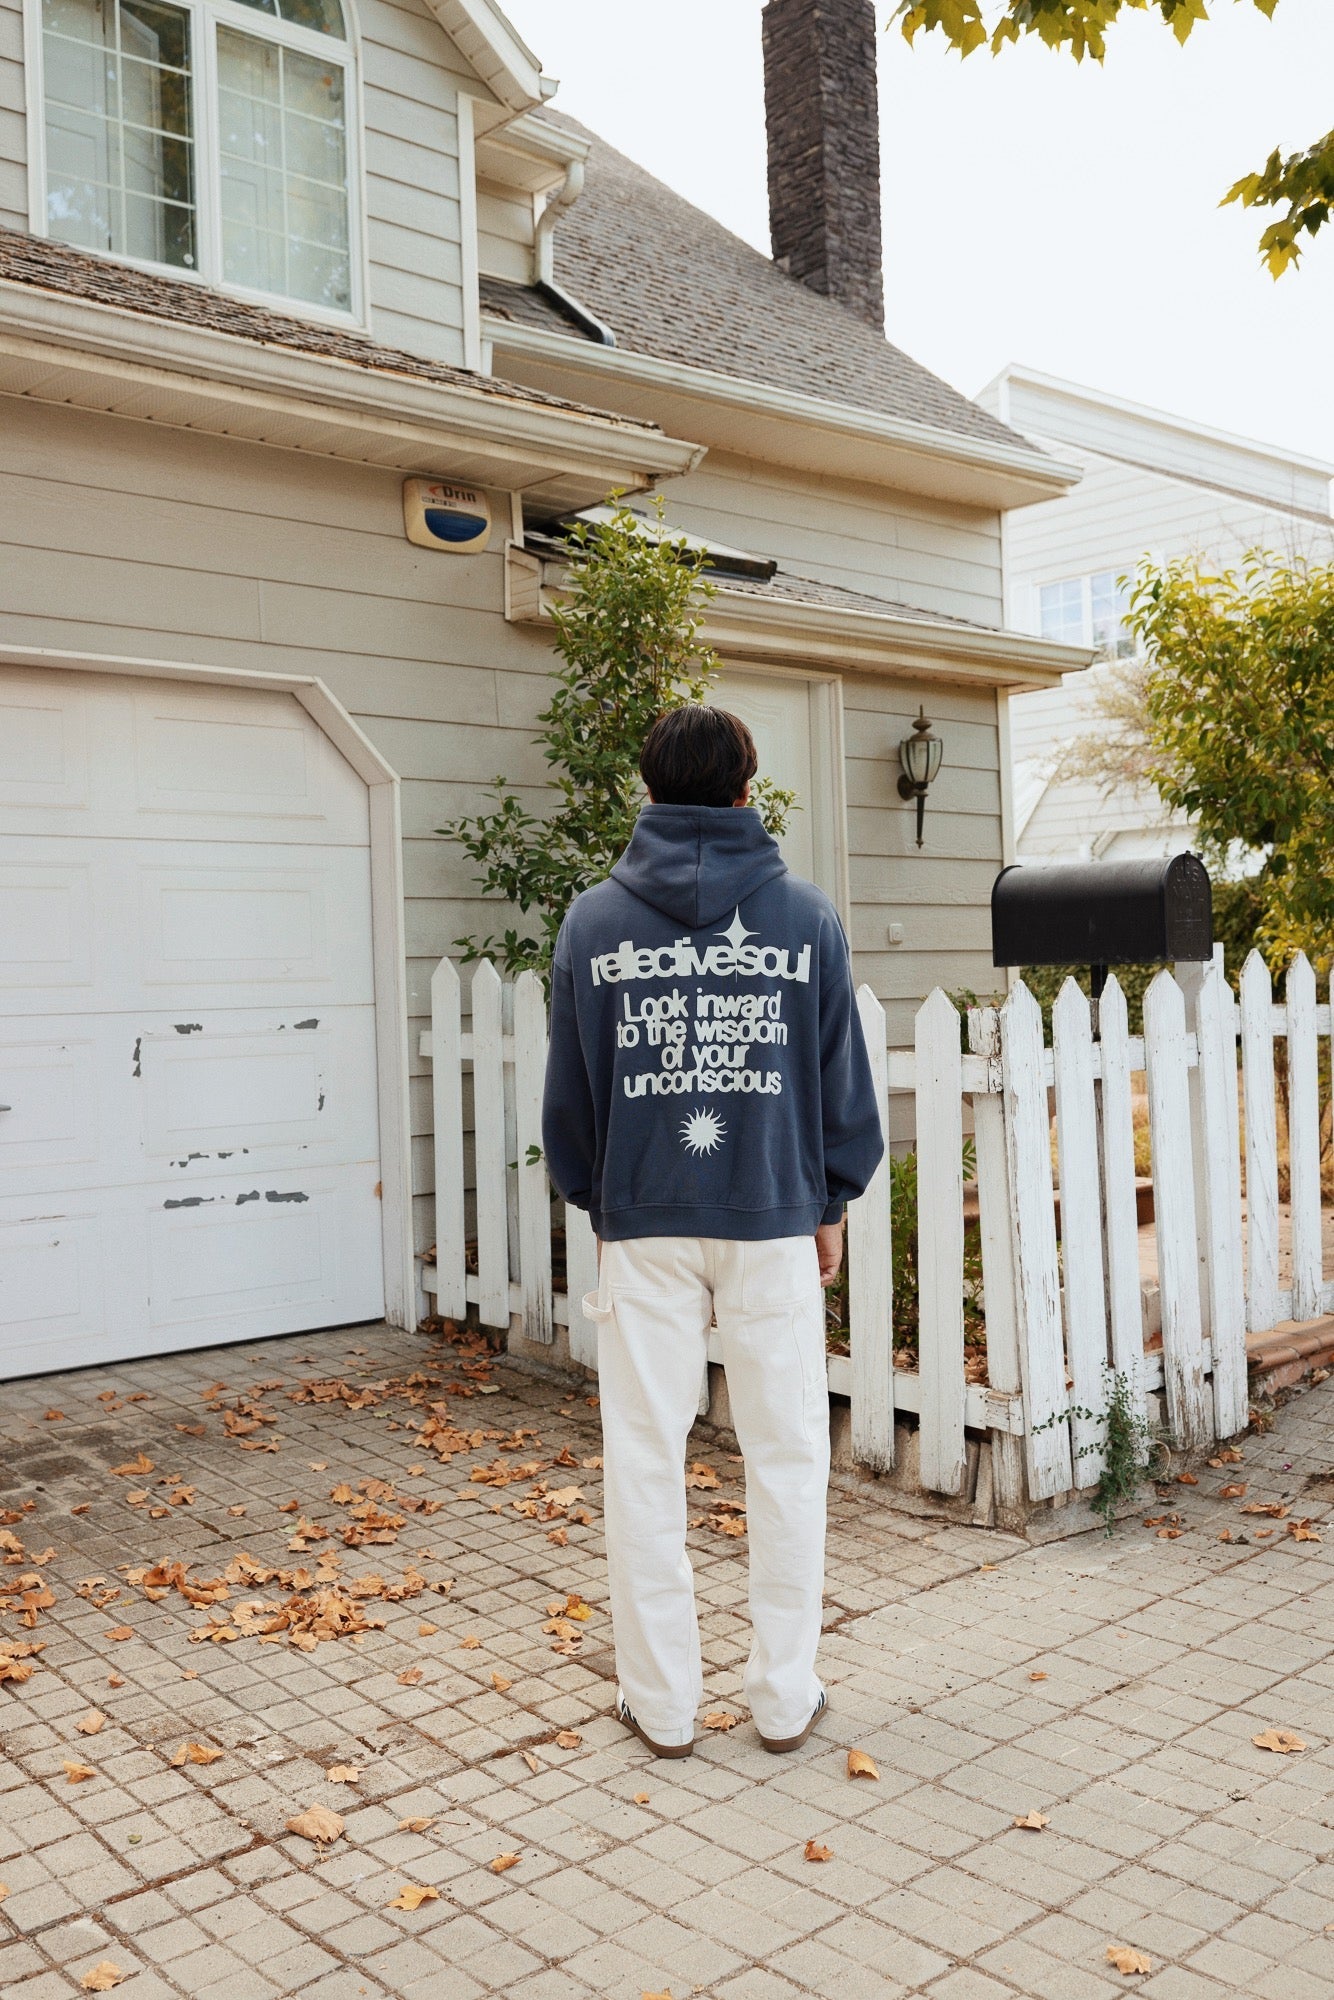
(1113,1686)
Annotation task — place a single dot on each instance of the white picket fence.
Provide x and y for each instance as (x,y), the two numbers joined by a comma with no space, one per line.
(1059,1318)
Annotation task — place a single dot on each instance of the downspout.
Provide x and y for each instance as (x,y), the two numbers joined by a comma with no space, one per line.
(543,230)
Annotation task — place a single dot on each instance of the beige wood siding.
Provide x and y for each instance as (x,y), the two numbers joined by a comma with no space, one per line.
(504,233)
(13,121)
(118,538)
(923,552)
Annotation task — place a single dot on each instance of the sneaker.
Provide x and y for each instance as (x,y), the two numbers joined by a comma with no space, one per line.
(625,1714)
(778,1744)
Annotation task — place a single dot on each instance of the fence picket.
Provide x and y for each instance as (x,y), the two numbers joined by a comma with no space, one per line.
(940,1241)
(1081,1226)
(1174,1211)
(581,1276)
(530,1063)
(870,1275)
(1002,1327)
(1304,1139)
(451,1297)
(1037,1276)
(1221,1147)
(1121,1219)
(488,1101)
(1257,1071)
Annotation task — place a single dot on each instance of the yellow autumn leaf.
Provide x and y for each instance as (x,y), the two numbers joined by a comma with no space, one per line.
(500,1684)
(718,1718)
(77,1773)
(418,1823)
(641,1798)
(102,1978)
(426,1630)
(91,1723)
(1125,1959)
(135,1468)
(470,1641)
(568,1739)
(502,1862)
(1283,1740)
(862,1766)
(409,1677)
(412,1895)
(815,1852)
(1038,1676)
(531,1761)
(197,1753)
(1033,1822)
(317,1823)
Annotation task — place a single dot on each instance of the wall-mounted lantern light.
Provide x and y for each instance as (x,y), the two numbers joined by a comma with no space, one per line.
(920,756)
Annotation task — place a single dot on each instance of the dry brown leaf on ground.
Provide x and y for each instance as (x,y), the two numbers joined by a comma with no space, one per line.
(568,1739)
(1032,1822)
(1187,1479)
(91,1723)
(1302,1531)
(1169,1534)
(412,1895)
(1276,1509)
(409,1677)
(344,1774)
(1284,1741)
(1125,1959)
(55,1416)
(718,1718)
(667,1995)
(115,1680)
(814,1851)
(530,1761)
(4,1891)
(102,1978)
(418,1823)
(502,1862)
(426,1630)
(1039,1675)
(78,1773)
(134,1468)
(317,1823)
(1236,1491)
(14,1670)
(641,1798)
(197,1753)
(470,1642)
(701,1475)
(119,1632)
(560,1536)
(500,1684)
(861,1766)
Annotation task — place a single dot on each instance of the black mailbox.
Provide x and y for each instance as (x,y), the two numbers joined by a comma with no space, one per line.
(1102,913)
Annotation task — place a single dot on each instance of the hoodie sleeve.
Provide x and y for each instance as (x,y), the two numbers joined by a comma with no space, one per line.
(569,1133)
(854,1140)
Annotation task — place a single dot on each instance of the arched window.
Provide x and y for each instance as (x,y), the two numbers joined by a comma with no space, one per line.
(212,137)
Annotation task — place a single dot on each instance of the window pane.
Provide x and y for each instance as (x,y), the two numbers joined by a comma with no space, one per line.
(119,144)
(1062,606)
(284,171)
(1109,602)
(322,17)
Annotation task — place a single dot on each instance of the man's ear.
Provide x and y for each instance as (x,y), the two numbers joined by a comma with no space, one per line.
(744,800)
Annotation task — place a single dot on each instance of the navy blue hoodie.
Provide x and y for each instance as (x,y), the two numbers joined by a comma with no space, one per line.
(707,1075)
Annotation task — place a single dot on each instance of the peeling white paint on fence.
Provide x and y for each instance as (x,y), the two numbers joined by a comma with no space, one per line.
(1081,1227)
(1121,1217)
(870,1278)
(1303,1109)
(1257,1048)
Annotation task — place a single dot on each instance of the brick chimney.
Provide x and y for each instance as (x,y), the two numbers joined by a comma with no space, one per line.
(824,148)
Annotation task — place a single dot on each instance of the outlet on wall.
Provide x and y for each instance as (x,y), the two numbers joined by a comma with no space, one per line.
(896,933)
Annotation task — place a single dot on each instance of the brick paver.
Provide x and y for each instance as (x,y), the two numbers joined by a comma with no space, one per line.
(1114,1686)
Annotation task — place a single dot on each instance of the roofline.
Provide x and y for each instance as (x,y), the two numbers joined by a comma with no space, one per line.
(785,631)
(1078,392)
(58,348)
(496,51)
(1005,475)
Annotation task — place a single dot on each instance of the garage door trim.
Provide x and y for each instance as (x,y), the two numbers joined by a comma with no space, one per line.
(404,1301)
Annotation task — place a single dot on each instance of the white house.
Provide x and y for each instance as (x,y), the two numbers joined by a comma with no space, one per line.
(259,266)
(1153,485)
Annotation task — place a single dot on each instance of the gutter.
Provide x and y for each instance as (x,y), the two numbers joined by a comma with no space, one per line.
(1044,477)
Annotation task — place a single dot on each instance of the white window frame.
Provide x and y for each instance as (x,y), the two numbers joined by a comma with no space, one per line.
(205,18)
(1085,582)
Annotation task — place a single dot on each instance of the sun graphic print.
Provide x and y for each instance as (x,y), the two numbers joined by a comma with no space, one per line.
(702,1132)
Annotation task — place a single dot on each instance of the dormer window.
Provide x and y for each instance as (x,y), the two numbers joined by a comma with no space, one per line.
(211,138)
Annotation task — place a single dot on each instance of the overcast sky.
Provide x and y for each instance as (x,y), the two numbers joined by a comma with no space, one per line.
(1037,212)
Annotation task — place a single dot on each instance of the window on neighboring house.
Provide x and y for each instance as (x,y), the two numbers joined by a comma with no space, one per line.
(1087,611)
(211,137)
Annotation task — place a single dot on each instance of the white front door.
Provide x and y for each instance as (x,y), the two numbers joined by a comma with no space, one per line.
(791,721)
(189,1149)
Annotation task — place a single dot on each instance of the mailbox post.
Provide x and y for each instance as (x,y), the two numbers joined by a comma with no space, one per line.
(1102,913)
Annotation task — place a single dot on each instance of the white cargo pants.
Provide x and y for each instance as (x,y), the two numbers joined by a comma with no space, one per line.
(656,1297)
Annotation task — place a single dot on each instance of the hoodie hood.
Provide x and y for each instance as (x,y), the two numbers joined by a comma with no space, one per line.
(698,863)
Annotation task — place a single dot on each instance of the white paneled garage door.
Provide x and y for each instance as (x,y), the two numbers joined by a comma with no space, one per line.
(189,1148)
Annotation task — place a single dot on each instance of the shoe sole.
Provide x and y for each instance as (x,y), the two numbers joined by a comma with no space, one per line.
(658,1749)
(777,1746)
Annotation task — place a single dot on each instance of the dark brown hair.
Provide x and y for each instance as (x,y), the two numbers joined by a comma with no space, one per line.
(697,756)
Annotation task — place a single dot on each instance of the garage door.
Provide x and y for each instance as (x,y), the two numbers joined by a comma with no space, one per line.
(189,1145)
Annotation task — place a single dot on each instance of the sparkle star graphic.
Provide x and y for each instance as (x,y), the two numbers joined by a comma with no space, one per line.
(736,932)
(702,1132)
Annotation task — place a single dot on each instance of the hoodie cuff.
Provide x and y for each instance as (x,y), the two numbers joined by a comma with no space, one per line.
(834,1213)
